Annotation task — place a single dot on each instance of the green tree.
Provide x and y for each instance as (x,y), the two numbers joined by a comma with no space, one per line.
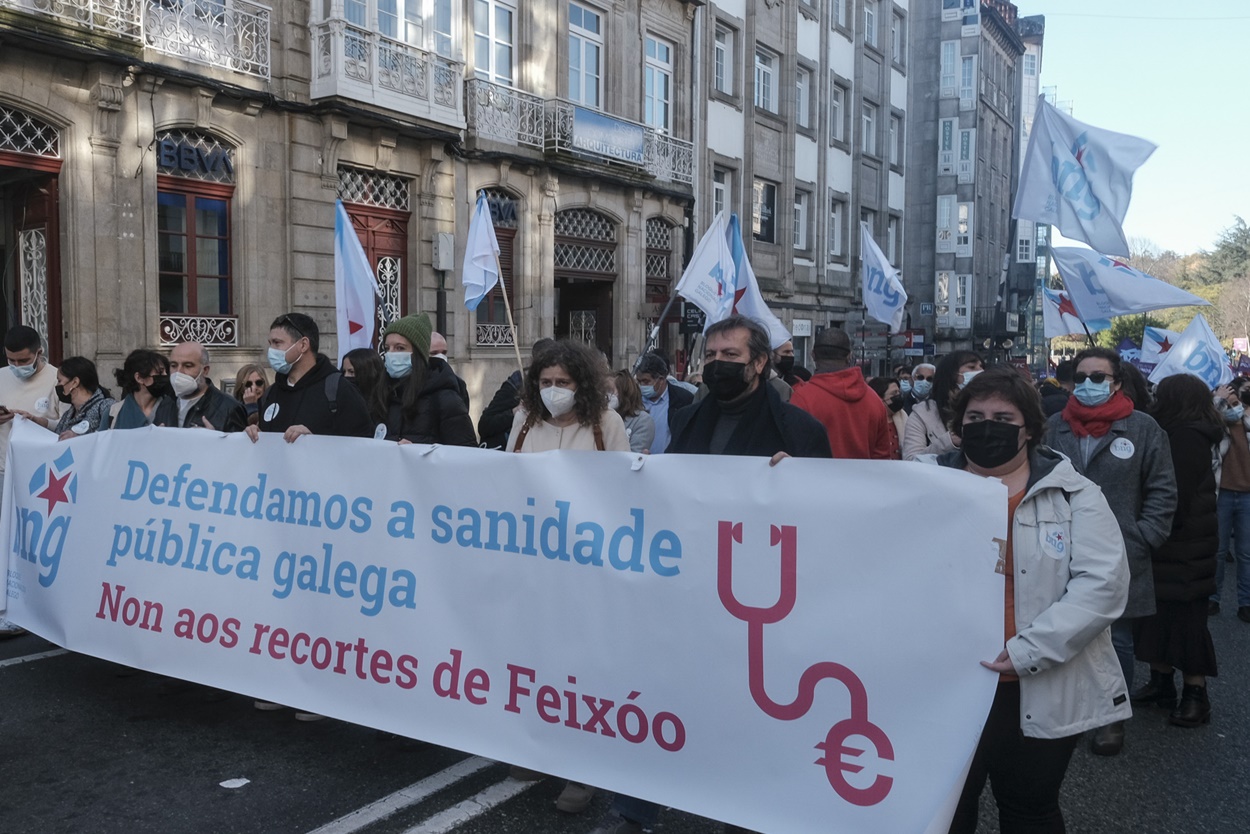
(1131,327)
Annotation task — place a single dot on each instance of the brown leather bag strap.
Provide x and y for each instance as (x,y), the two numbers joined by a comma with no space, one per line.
(599,437)
(520,437)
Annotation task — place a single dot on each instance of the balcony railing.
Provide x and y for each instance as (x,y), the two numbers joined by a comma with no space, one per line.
(233,34)
(498,112)
(119,18)
(211,331)
(366,66)
(494,335)
(571,128)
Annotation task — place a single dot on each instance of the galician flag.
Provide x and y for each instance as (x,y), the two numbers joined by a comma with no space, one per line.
(1079,178)
(1156,343)
(480,272)
(1060,318)
(884,296)
(1197,352)
(708,281)
(747,298)
(1103,287)
(355,286)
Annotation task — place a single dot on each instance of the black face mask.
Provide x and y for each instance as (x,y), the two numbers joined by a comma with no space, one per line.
(895,404)
(726,380)
(61,395)
(784,365)
(990,444)
(160,387)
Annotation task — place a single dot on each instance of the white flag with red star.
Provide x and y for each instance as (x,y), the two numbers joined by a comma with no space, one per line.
(354,286)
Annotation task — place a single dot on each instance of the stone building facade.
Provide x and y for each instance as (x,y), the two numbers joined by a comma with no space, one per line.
(169,170)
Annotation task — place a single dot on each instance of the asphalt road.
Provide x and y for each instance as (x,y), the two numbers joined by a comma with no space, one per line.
(89,746)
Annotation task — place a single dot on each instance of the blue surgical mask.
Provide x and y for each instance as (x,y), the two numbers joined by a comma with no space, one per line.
(967,377)
(1091,393)
(922,388)
(24,372)
(904,385)
(1234,413)
(648,391)
(278,360)
(398,364)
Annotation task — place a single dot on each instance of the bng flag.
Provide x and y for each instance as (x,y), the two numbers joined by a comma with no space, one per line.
(708,281)
(354,286)
(1197,352)
(1155,344)
(748,301)
(884,296)
(1103,287)
(1079,178)
(1060,318)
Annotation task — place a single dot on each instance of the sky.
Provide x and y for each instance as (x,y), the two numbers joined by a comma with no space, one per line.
(1175,74)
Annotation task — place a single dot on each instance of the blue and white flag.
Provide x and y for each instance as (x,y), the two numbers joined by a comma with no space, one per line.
(1060,318)
(1197,352)
(354,286)
(708,281)
(1079,178)
(884,296)
(1103,287)
(748,301)
(480,272)
(1155,344)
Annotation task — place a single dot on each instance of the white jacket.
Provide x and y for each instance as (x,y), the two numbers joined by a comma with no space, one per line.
(1071,583)
(925,433)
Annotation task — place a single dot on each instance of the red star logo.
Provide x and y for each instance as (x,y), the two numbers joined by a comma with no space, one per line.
(738,297)
(1118,264)
(1165,345)
(1080,154)
(54,492)
(1066,306)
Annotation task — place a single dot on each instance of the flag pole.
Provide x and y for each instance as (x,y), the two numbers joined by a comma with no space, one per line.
(655,331)
(507,308)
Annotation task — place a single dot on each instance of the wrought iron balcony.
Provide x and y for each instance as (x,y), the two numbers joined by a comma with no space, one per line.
(570,128)
(494,335)
(366,66)
(499,112)
(119,18)
(233,34)
(210,331)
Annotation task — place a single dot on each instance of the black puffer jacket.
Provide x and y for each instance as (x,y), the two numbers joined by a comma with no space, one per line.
(1184,567)
(441,416)
(223,412)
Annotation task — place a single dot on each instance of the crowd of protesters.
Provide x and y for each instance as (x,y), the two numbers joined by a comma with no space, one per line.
(1123,500)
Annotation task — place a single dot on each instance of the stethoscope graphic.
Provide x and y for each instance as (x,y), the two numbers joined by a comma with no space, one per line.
(834,746)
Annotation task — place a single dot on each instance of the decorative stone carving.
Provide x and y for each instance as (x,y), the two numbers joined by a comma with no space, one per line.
(386,141)
(204,107)
(333,132)
(107,94)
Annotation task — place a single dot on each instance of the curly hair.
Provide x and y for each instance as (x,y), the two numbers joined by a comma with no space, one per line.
(587,369)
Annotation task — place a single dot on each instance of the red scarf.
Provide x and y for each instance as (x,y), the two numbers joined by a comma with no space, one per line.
(1096,420)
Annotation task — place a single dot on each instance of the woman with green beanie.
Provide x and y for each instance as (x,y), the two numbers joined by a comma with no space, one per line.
(424,404)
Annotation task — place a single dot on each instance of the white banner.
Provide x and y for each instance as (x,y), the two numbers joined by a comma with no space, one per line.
(748,643)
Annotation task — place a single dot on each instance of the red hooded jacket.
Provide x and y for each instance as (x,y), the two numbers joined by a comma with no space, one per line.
(854,417)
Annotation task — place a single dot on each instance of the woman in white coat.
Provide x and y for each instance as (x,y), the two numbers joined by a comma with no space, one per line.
(928,426)
(1066,581)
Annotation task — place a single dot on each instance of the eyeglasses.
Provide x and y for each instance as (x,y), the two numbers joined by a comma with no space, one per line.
(1097,377)
(923,378)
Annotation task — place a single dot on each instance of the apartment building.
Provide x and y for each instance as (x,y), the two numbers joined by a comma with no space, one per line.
(804,114)
(962,266)
(168,168)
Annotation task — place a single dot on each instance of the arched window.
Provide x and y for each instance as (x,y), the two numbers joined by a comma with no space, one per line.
(378,206)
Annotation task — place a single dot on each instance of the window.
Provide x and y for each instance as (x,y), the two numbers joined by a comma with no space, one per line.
(966,167)
(967,81)
(870,128)
(492,316)
(803,97)
(764,212)
(898,40)
(441,39)
(493,40)
(870,22)
(193,245)
(585,56)
(950,52)
(837,212)
(1030,64)
(723,60)
(963,231)
(946,223)
(951,299)
(837,111)
(406,20)
(765,67)
(1024,250)
(658,105)
(896,140)
(870,217)
(839,12)
(722,188)
(959,311)
(801,200)
(892,242)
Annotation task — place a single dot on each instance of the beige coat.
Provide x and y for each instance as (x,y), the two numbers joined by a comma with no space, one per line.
(544,437)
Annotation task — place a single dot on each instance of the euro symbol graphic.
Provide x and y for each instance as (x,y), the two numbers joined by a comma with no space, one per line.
(837,753)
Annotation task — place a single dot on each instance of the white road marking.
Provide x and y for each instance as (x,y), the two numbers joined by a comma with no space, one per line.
(404,797)
(460,813)
(13,661)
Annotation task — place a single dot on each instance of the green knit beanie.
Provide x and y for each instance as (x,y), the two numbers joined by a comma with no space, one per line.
(416,329)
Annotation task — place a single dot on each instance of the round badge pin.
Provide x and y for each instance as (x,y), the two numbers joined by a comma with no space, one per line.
(271,412)
(1123,448)
(380,432)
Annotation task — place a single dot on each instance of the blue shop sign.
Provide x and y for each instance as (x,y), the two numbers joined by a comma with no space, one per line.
(184,156)
(608,137)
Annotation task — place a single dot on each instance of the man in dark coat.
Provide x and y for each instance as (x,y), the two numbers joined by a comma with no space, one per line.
(661,399)
(1055,392)
(197,402)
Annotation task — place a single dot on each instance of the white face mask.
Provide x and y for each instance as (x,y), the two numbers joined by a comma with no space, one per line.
(614,402)
(184,385)
(559,401)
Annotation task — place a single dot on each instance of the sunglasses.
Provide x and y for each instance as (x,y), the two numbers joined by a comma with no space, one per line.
(1097,377)
(285,321)
(923,378)
(254,383)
